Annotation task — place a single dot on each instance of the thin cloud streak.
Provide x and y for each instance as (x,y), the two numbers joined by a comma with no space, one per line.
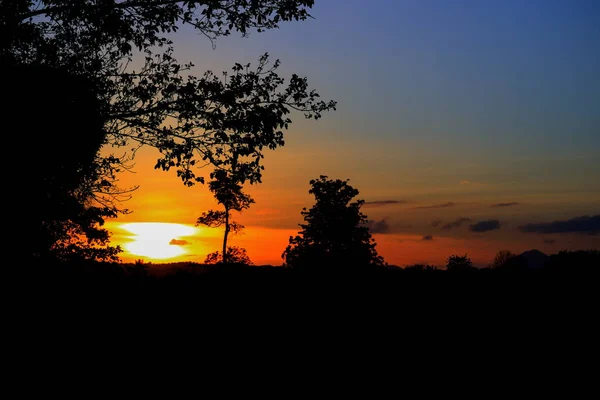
(443,205)
(505,204)
(178,242)
(381,203)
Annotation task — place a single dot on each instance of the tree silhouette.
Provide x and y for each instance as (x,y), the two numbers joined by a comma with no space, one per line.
(459,263)
(193,121)
(60,199)
(575,261)
(420,268)
(335,233)
(235,255)
(228,192)
(502,259)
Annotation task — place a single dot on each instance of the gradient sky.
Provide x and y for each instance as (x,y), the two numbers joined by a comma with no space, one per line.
(445,109)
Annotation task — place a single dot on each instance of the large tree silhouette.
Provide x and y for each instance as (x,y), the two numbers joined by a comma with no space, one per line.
(56,120)
(335,233)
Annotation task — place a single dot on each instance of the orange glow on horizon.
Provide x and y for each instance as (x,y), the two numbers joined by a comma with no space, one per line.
(162,203)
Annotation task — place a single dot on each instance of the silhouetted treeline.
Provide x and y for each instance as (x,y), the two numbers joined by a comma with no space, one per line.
(583,262)
(421,294)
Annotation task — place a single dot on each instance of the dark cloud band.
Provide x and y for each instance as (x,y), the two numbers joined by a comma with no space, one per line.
(456,223)
(585,225)
(485,226)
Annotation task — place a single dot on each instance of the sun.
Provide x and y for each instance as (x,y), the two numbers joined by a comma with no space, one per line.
(157,240)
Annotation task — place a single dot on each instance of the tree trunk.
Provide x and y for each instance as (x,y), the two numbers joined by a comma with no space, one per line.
(224,254)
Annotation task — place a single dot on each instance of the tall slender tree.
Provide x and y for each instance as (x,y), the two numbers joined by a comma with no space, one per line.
(227,190)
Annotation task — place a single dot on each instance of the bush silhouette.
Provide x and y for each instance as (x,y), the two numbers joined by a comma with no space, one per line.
(459,263)
(235,255)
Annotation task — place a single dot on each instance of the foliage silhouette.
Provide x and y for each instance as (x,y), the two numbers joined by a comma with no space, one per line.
(502,259)
(240,113)
(335,234)
(61,200)
(139,269)
(459,263)
(235,255)
(421,268)
(575,262)
(228,192)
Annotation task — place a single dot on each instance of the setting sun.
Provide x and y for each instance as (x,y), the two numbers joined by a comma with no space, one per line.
(157,240)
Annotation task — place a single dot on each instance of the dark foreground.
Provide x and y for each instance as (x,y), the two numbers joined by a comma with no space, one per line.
(238,307)
(246,284)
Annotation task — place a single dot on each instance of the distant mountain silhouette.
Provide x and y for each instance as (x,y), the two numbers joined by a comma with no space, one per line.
(533,259)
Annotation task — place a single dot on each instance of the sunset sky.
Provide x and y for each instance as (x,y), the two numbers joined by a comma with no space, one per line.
(467,126)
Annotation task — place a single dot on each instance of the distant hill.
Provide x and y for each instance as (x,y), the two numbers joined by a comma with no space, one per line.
(533,259)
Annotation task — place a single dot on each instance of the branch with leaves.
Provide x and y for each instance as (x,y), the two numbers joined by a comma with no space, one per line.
(193,121)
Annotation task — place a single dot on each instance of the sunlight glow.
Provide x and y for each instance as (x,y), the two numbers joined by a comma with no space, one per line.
(152,239)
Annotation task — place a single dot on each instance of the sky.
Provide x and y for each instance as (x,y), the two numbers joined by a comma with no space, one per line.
(468,127)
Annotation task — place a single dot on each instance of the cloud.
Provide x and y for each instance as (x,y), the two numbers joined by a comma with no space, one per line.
(456,224)
(380,203)
(585,224)
(427,237)
(505,204)
(549,241)
(178,242)
(444,205)
(436,223)
(485,226)
(378,226)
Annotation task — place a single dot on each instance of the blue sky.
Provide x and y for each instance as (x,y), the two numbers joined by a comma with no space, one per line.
(512,78)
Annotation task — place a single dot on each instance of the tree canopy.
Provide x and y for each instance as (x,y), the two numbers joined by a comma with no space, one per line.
(459,263)
(335,234)
(503,259)
(192,120)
